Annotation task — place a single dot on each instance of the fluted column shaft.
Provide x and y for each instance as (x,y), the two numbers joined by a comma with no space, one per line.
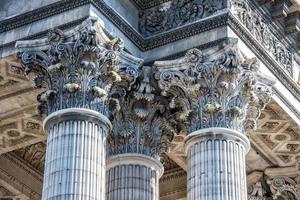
(75,155)
(216,165)
(133,177)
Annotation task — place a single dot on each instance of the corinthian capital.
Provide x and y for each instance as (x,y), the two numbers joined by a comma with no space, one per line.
(225,91)
(77,67)
(140,126)
(284,187)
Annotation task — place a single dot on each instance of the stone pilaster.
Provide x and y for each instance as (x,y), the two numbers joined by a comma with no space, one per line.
(140,133)
(78,69)
(216,99)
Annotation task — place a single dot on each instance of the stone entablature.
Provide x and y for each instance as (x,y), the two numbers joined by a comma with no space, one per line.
(174,14)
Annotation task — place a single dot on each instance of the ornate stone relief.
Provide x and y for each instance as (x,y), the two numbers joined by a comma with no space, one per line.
(34,155)
(19,125)
(19,131)
(256,192)
(140,126)
(285,188)
(12,79)
(176,13)
(226,91)
(78,69)
(261,31)
(168,163)
(277,136)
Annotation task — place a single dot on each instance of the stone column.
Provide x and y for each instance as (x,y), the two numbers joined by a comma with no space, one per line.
(216,98)
(216,164)
(133,176)
(138,137)
(75,155)
(78,68)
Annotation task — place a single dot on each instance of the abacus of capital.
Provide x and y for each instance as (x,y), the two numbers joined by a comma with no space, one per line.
(110,118)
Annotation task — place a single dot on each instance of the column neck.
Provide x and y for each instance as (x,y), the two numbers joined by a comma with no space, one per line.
(135,159)
(76,114)
(222,134)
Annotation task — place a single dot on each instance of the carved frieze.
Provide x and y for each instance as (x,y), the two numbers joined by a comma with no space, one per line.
(227,91)
(140,125)
(260,30)
(34,155)
(176,13)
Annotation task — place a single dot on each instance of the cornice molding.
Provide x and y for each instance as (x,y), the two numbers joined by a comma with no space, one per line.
(24,165)
(18,184)
(263,55)
(44,33)
(172,175)
(40,13)
(286,102)
(145,4)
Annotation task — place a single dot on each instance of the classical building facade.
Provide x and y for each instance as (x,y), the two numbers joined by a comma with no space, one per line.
(150,99)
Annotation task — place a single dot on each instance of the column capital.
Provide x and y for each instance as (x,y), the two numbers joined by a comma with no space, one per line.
(140,126)
(77,67)
(223,89)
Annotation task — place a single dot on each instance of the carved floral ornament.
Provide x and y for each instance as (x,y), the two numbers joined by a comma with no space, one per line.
(176,13)
(77,71)
(141,125)
(285,188)
(148,105)
(261,31)
(227,91)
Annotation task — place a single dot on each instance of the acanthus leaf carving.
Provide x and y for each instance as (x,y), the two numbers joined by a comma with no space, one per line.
(77,70)
(256,192)
(284,187)
(140,126)
(224,92)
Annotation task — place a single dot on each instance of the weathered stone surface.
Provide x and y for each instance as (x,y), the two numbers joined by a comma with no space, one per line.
(224,91)
(11,8)
(77,69)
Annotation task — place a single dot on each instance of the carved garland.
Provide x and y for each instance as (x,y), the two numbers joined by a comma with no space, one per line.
(176,13)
